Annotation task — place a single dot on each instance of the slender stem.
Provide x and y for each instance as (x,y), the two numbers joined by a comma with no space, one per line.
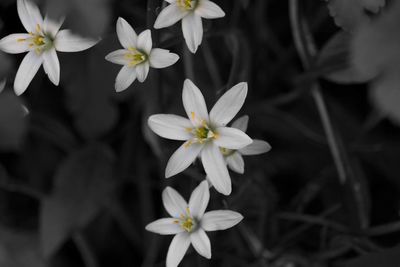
(306,51)
(86,251)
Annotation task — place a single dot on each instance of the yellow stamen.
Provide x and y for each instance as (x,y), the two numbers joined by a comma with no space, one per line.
(187,4)
(20,40)
(135,57)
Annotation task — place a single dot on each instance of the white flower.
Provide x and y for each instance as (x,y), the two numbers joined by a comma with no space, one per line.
(234,157)
(191,12)
(41,42)
(137,56)
(204,133)
(189,223)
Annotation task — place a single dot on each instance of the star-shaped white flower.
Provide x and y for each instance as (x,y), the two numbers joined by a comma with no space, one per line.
(234,157)
(204,133)
(41,42)
(190,12)
(190,222)
(137,56)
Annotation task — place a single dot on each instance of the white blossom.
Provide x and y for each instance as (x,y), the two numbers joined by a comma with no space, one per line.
(137,56)
(234,158)
(191,13)
(189,222)
(43,40)
(204,134)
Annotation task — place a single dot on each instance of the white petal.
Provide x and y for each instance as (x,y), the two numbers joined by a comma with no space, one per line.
(229,105)
(51,66)
(220,220)
(192,28)
(67,42)
(231,138)
(215,168)
(125,77)
(27,70)
(173,202)
(256,148)
(29,15)
(170,126)
(201,243)
(52,27)
(182,158)
(169,16)
(209,10)
(241,123)
(235,162)
(118,57)
(177,249)
(15,43)
(126,34)
(165,226)
(162,58)
(142,70)
(144,42)
(194,103)
(199,200)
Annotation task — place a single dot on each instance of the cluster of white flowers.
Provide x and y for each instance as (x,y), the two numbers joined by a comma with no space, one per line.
(206,135)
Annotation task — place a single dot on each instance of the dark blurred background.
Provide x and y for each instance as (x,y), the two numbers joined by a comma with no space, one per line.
(81,174)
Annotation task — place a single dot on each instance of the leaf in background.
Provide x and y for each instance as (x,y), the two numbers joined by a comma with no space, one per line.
(82,182)
(13,122)
(376,53)
(90,92)
(350,14)
(387,258)
(87,17)
(334,56)
(19,249)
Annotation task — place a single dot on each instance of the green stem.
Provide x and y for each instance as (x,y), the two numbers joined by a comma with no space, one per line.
(306,51)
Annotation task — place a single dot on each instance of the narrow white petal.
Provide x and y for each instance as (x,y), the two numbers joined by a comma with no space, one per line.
(142,70)
(229,105)
(177,249)
(173,202)
(51,66)
(165,226)
(170,126)
(194,103)
(126,34)
(118,57)
(68,42)
(215,168)
(26,71)
(231,138)
(241,123)
(235,162)
(182,158)
(144,42)
(169,16)
(192,28)
(15,43)
(199,200)
(209,10)
(51,26)
(162,58)
(29,15)
(125,77)
(256,148)
(220,220)
(201,243)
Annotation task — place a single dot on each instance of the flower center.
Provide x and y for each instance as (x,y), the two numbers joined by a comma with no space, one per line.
(186,221)
(39,41)
(187,4)
(135,57)
(226,152)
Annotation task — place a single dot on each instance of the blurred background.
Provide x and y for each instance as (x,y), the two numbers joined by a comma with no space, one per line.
(81,174)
